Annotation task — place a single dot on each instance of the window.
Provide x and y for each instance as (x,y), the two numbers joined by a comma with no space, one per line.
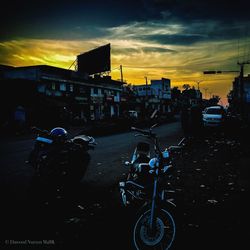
(53,86)
(94,91)
(99,92)
(71,88)
(62,87)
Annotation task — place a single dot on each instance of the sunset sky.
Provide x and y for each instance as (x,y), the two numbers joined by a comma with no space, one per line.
(175,39)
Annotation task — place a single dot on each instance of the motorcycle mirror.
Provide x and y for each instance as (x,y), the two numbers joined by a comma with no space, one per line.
(154,114)
(127,163)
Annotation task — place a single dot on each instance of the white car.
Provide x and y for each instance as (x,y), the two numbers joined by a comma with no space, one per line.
(213,116)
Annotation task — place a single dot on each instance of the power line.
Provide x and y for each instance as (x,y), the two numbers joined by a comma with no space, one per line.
(207,80)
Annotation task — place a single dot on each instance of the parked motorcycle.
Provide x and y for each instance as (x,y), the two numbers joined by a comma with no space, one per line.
(58,160)
(155,226)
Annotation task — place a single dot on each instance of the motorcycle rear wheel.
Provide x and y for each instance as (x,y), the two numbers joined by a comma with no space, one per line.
(164,233)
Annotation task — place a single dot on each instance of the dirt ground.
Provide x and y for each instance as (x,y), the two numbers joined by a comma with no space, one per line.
(212,186)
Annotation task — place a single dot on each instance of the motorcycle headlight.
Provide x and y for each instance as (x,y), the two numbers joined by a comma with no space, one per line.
(154,162)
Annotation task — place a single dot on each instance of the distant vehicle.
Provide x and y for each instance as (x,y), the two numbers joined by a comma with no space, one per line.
(213,116)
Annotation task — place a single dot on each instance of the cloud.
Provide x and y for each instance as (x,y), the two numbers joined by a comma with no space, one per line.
(156,48)
(26,52)
(137,29)
(180,33)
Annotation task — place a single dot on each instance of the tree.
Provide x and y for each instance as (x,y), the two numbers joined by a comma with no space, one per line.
(175,93)
(186,86)
(214,100)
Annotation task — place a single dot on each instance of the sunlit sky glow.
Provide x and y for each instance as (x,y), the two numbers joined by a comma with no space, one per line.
(154,38)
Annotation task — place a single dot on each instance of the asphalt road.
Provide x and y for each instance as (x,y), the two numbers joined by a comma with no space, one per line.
(107,160)
(105,168)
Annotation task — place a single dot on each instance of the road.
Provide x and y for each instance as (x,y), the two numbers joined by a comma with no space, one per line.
(107,164)
(107,160)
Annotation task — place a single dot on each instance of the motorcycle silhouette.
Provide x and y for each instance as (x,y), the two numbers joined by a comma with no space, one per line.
(155,226)
(59,161)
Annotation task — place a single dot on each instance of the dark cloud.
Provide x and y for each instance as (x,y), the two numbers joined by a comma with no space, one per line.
(59,19)
(198,9)
(197,31)
(177,39)
(142,49)
(38,18)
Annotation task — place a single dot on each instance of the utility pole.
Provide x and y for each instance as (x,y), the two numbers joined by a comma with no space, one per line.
(241,86)
(146,87)
(241,76)
(121,73)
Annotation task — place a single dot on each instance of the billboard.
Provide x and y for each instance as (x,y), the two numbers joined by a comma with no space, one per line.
(94,61)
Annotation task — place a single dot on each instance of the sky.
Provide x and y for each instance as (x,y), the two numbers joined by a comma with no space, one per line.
(175,39)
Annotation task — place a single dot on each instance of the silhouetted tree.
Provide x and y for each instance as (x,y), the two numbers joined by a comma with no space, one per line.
(175,93)
(186,86)
(214,100)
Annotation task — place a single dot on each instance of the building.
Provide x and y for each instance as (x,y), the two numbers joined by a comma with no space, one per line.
(52,95)
(158,88)
(154,96)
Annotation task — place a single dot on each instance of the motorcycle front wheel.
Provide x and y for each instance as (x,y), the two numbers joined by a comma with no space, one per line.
(163,235)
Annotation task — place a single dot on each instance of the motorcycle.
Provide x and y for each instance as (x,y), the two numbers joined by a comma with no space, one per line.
(57,160)
(155,226)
